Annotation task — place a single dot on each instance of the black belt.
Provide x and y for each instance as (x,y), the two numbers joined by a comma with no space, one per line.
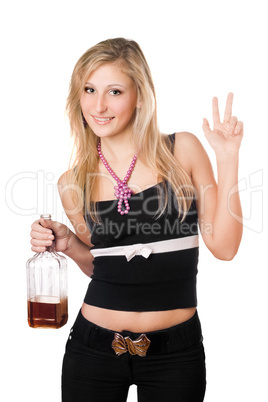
(172,339)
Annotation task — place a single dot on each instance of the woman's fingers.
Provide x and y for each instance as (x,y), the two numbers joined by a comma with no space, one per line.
(227,112)
(38,246)
(215,111)
(232,125)
(41,243)
(38,249)
(228,108)
(38,228)
(239,127)
(206,127)
(41,236)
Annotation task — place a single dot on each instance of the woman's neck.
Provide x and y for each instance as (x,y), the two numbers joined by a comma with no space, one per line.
(117,149)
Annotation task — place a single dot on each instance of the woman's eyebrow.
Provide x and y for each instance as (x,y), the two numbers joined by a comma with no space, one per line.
(115,85)
(108,86)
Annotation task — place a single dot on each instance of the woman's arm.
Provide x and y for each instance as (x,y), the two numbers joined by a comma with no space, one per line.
(80,244)
(228,219)
(218,205)
(80,253)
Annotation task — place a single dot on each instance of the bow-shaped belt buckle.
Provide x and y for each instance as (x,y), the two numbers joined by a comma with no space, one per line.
(135,347)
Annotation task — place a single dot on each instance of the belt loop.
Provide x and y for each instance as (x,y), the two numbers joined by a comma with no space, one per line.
(183,336)
(91,337)
(176,340)
(168,341)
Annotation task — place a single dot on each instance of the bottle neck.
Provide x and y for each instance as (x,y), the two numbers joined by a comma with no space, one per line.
(51,249)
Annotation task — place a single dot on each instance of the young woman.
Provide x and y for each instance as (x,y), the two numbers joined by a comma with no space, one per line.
(135,198)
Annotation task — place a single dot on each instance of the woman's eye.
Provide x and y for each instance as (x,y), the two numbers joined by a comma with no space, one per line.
(115,92)
(89,90)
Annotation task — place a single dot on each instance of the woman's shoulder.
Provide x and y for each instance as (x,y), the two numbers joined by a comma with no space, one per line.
(186,148)
(185,138)
(67,189)
(190,146)
(191,154)
(67,177)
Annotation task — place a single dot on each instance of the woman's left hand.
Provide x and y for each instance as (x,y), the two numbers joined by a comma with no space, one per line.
(226,136)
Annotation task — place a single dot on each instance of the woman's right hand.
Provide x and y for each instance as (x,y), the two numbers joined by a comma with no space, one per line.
(44,231)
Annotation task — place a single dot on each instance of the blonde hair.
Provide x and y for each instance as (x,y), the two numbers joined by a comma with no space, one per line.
(153,145)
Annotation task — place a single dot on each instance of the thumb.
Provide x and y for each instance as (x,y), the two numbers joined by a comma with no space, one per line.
(47,223)
(58,229)
(206,127)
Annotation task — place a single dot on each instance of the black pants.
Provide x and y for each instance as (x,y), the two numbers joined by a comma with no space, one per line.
(173,369)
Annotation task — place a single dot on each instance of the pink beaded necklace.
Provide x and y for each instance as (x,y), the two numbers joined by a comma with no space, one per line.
(122,191)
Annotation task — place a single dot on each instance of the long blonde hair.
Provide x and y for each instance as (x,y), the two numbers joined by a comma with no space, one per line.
(155,146)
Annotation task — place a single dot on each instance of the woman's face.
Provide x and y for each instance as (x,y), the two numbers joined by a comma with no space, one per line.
(109,101)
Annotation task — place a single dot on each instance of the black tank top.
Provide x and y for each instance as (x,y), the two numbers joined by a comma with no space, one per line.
(163,280)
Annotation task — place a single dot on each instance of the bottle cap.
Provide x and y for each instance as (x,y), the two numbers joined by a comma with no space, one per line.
(45,216)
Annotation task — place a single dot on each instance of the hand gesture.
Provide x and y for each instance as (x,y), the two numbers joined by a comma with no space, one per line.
(44,231)
(226,136)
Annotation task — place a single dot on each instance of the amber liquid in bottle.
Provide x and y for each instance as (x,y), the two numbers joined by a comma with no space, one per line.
(47,312)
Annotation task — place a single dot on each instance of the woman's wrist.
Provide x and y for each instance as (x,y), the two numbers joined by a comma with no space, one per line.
(73,243)
(227,156)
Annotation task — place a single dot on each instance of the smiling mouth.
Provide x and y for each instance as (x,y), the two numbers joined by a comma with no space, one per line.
(103,119)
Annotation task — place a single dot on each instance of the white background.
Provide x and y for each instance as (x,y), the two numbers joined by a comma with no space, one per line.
(196,50)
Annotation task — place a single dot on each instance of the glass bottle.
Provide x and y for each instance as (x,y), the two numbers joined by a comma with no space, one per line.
(47,288)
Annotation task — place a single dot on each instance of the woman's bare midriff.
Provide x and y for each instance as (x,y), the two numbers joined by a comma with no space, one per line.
(144,321)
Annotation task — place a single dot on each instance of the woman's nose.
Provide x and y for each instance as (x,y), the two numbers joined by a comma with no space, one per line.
(100,104)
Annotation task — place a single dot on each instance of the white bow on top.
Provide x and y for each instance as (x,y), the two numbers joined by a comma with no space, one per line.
(136,249)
